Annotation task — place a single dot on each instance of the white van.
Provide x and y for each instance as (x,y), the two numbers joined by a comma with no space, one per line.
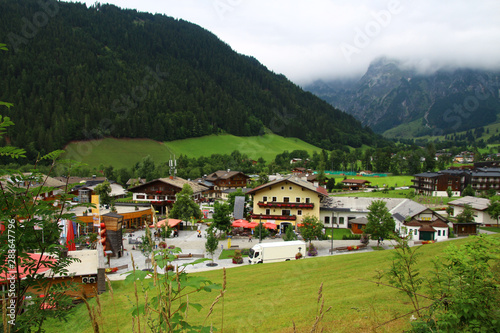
(276,251)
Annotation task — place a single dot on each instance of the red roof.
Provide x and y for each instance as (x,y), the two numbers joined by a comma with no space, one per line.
(25,270)
(322,190)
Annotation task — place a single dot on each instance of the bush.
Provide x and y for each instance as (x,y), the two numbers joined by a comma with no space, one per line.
(312,251)
(237,258)
(351,237)
(245,252)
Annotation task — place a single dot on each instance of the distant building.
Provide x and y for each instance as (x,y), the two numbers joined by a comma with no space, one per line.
(478,206)
(162,192)
(436,183)
(356,184)
(221,180)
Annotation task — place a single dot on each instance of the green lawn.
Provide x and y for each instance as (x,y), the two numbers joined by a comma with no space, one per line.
(492,229)
(377,194)
(274,297)
(228,254)
(266,146)
(390,181)
(126,152)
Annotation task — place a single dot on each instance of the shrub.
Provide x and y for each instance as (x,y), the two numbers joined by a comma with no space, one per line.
(351,237)
(237,258)
(312,251)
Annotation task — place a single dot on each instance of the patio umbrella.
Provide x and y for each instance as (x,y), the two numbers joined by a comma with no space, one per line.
(269,225)
(70,237)
(240,223)
(251,225)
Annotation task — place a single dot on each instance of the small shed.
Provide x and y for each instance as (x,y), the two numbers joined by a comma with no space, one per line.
(466,229)
(358,224)
(114,240)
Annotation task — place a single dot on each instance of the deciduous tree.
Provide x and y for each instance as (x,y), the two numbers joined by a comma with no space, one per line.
(380,222)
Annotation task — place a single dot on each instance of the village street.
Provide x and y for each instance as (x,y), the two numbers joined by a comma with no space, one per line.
(190,243)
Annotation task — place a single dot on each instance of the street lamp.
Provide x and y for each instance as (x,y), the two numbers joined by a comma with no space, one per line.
(260,228)
(331,250)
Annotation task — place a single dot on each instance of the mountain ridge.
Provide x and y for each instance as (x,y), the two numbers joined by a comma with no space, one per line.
(389,95)
(104,71)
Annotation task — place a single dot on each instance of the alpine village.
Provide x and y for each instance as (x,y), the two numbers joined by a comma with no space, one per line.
(155,180)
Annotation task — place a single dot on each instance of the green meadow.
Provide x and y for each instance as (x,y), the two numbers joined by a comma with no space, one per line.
(277,297)
(389,181)
(126,152)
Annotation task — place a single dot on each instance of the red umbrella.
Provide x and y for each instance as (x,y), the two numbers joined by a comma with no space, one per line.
(70,237)
(269,225)
(240,223)
(251,225)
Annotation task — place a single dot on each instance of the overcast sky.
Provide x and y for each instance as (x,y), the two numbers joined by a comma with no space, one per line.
(327,39)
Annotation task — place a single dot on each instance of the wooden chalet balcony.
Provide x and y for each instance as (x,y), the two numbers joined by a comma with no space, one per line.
(286,204)
(256,217)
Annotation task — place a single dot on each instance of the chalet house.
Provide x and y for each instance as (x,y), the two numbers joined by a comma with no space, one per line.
(27,180)
(82,187)
(221,180)
(162,192)
(135,181)
(85,191)
(286,201)
(436,183)
(355,184)
(426,225)
(348,212)
(478,206)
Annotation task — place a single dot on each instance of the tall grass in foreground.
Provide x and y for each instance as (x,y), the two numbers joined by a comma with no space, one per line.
(275,297)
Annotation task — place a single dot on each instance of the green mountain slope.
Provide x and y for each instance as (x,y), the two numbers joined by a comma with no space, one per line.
(96,72)
(124,153)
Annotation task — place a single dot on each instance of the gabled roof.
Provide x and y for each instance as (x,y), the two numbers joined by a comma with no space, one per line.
(175,181)
(356,181)
(221,174)
(359,220)
(294,180)
(475,203)
(44,180)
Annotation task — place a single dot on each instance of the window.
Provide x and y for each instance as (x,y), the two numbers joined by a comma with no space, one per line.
(140,196)
(341,220)
(444,232)
(150,197)
(264,198)
(282,187)
(268,211)
(297,199)
(275,199)
(415,232)
(299,212)
(161,197)
(286,199)
(308,200)
(334,219)
(327,219)
(439,232)
(285,212)
(290,188)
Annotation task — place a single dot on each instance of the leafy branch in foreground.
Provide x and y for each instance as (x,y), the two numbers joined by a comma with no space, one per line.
(463,289)
(167,311)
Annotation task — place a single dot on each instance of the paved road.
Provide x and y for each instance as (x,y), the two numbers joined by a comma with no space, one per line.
(190,243)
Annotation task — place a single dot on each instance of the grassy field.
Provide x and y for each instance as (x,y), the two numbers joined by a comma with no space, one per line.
(390,181)
(126,152)
(275,297)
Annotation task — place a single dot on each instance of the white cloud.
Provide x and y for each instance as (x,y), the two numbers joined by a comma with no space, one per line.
(303,39)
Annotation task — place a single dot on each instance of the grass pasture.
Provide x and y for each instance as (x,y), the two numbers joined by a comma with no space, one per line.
(275,297)
(126,152)
(390,181)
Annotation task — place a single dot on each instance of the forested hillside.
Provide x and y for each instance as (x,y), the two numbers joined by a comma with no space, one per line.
(85,73)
